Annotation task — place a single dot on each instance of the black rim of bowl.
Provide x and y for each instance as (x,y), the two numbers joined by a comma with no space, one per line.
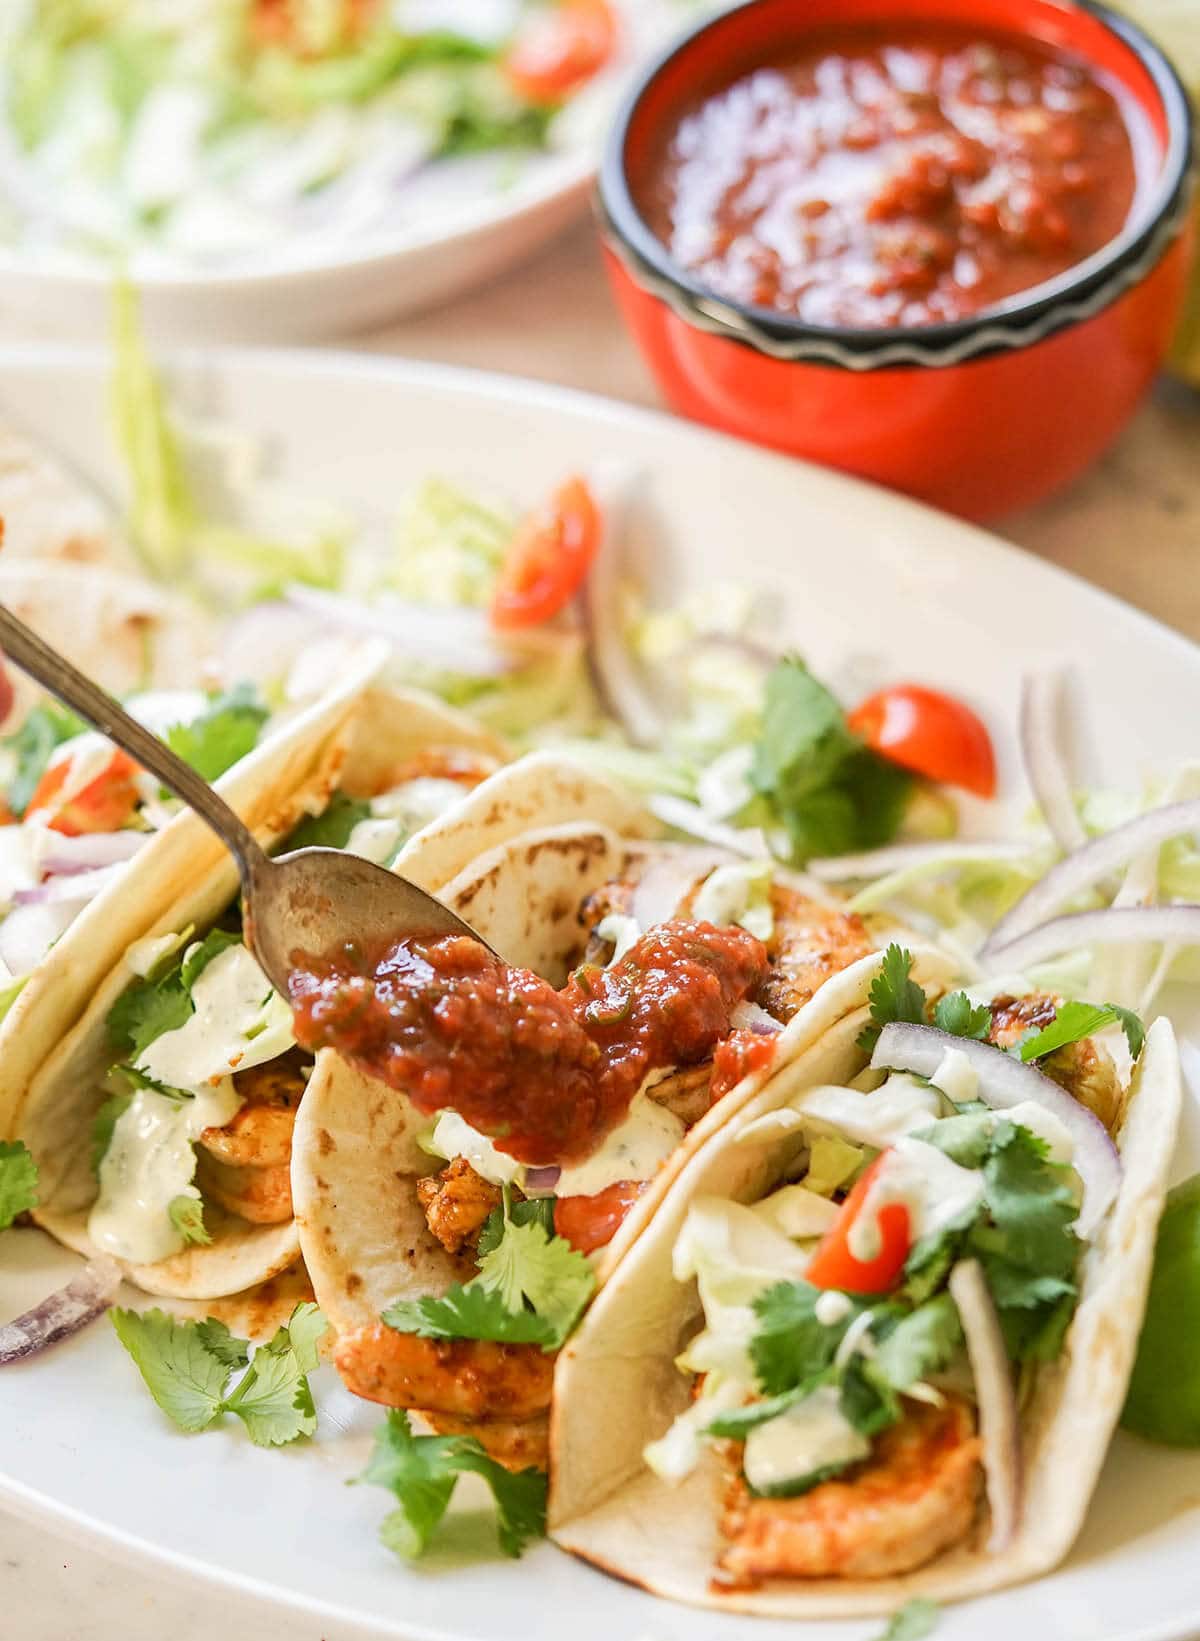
(1072,297)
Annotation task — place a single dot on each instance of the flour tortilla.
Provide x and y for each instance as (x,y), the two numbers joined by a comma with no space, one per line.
(53,1047)
(617,1387)
(51,514)
(120,630)
(356,1157)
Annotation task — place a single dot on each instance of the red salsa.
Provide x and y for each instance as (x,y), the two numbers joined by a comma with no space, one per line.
(546,1074)
(880,178)
(737,1056)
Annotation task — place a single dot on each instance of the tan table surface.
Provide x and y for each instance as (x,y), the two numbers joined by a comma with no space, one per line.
(1133,526)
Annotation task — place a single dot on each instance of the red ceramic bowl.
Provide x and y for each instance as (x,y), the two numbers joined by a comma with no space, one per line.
(983,415)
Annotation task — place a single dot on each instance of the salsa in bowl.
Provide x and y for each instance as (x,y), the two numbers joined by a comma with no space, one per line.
(939,244)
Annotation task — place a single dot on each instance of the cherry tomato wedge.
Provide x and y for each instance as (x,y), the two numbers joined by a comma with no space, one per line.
(561,50)
(589,1223)
(834,1266)
(549,558)
(930,733)
(103,805)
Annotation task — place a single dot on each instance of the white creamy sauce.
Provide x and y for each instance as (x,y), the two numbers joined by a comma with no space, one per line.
(150,1162)
(810,1436)
(633,1151)
(144,956)
(676,1454)
(935,1191)
(238,1022)
(453,1136)
(832,1307)
(902,1106)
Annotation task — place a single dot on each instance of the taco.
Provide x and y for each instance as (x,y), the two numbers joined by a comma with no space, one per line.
(597,1092)
(876,1339)
(161,1118)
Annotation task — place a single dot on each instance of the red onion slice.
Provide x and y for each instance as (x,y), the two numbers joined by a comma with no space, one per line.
(999,1426)
(688,817)
(902,857)
(617,677)
(1044,759)
(75,887)
(1088,866)
(93,849)
(541,1180)
(1005,1081)
(453,638)
(63,1313)
(1108,926)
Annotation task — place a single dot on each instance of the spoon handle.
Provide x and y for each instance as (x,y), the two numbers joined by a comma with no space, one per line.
(99,709)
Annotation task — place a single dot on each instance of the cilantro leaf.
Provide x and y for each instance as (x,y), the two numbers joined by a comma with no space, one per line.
(919,1344)
(1031,1204)
(929,1264)
(468,1312)
(18,1181)
(957,1014)
(137,1078)
(530,1267)
(830,792)
(186,1214)
(183,1376)
(737,1422)
(866,1400)
(103,1123)
(531,1288)
(912,1622)
(533,1211)
(1037,1335)
(965,1139)
(219,1342)
(306,1328)
(147,1009)
(273,1399)
(1074,1021)
(187,1367)
(221,735)
(791,1349)
(422,1471)
(198,956)
(330,829)
(46,728)
(893,996)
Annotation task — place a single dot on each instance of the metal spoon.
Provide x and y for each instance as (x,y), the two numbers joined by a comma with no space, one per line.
(312,901)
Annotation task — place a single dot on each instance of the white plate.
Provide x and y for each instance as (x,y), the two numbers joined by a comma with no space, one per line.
(860,575)
(334,289)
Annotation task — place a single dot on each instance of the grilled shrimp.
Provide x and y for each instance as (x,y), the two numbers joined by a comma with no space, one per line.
(913,1498)
(460,1378)
(1085,1069)
(245,1166)
(517,1444)
(456,1203)
(810,943)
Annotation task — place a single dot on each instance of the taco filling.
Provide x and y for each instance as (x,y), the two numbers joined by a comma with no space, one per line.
(553,1110)
(875,1318)
(203,1093)
(75,809)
